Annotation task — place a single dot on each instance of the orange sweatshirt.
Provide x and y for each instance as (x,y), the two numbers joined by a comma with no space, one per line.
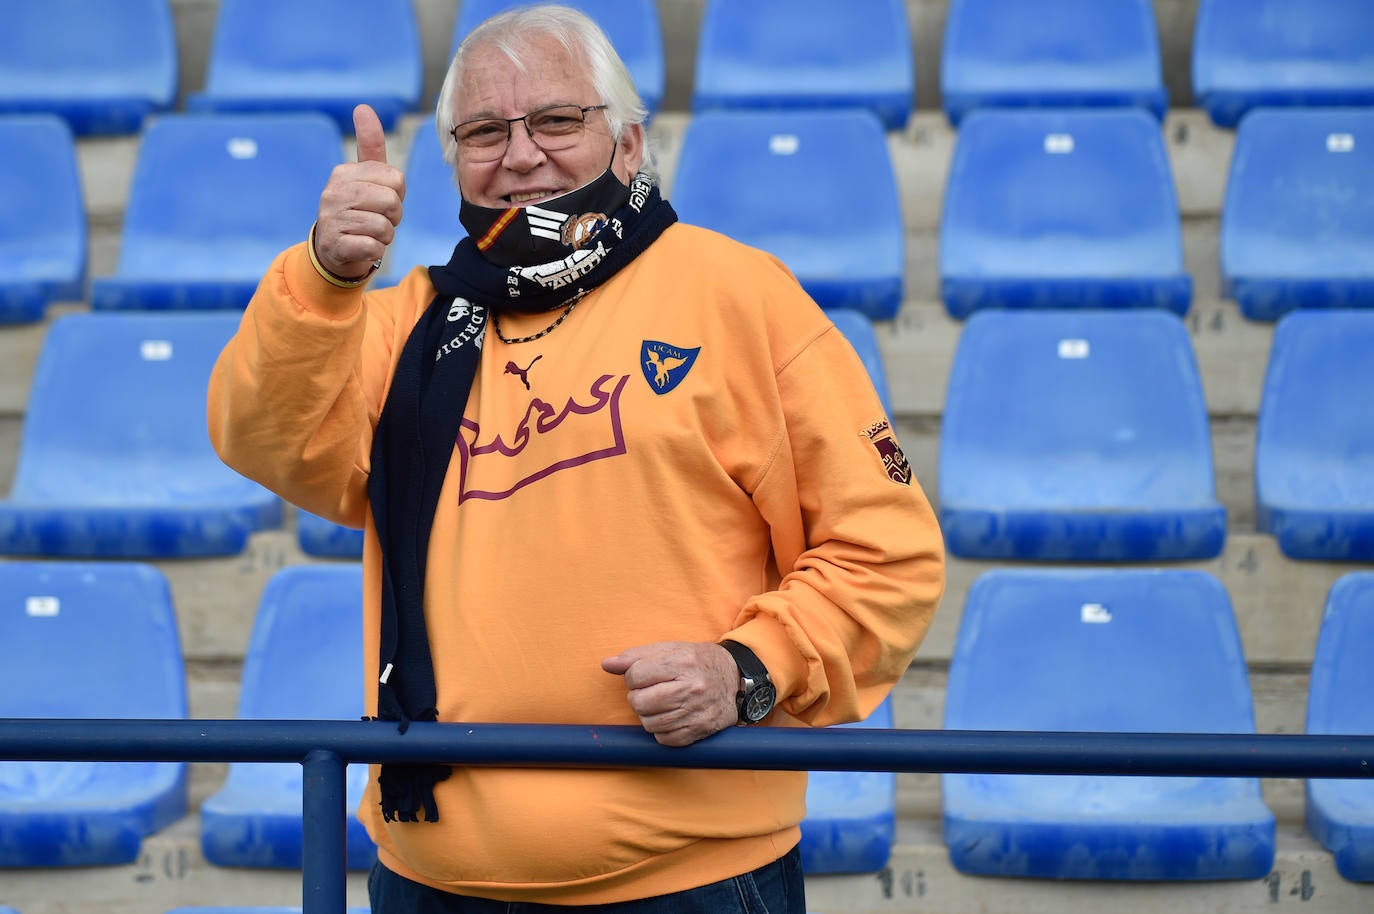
(694,453)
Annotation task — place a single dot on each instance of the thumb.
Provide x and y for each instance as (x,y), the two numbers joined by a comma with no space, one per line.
(618,664)
(371,138)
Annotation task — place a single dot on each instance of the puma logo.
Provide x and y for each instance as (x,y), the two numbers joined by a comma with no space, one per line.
(522,373)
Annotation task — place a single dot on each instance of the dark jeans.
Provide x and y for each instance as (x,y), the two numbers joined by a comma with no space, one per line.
(773,889)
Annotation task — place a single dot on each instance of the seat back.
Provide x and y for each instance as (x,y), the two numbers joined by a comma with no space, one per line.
(1314,442)
(1297,225)
(61,621)
(1152,651)
(117,412)
(1340,813)
(1077,435)
(1256,53)
(304,659)
(767,177)
(101,66)
(806,54)
(1061,208)
(305,56)
(1098,650)
(1342,676)
(1007,53)
(214,198)
(43,219)
(88,640)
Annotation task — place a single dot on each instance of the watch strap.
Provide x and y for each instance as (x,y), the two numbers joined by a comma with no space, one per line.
(750,666)
(757,694)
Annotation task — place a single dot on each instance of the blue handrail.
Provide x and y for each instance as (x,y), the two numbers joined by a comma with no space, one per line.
(324,748)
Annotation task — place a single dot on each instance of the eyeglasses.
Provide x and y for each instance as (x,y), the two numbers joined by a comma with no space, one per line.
(556,127)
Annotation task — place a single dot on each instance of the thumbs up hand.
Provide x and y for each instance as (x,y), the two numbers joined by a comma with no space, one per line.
(361,204)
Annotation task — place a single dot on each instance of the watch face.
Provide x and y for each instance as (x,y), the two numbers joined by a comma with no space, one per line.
(759,702)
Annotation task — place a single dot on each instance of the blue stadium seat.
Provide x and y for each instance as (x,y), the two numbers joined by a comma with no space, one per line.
(306,56)
(42,218)
(806,54)
(1340,813)
(1297,223)
(1070,53)
(1257,53)
(1314,445)
(858,329)
(101,66)
(303,663)
(430,229)
(851,816)
(631,25)
(326,539)
(213,199)
(1102,650)
(115,460)
(88,640)
(1077,436)
(1061,209)
(781,180)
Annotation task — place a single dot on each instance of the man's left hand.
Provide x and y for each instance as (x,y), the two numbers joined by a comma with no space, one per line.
(682,691)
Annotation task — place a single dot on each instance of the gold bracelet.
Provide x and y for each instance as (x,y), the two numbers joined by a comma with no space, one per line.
(334,278)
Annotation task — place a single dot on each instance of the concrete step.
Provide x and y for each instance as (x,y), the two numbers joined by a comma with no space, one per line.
(920,879)
(171,872)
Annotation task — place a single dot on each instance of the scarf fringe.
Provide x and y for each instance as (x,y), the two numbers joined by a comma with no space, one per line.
(407,789)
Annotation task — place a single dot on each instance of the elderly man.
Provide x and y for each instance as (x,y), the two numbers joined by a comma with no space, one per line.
(612,469)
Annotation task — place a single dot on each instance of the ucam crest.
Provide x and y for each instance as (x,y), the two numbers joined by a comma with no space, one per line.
(664,365)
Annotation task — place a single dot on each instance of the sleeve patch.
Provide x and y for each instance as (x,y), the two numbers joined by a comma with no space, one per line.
(884,442)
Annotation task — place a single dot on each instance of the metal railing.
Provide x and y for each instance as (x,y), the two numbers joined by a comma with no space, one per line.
(324,748)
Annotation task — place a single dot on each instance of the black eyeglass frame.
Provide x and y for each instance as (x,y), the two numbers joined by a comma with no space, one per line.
(510,121)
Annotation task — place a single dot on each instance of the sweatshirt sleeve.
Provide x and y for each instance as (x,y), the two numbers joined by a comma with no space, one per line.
(295,394)
(859,550)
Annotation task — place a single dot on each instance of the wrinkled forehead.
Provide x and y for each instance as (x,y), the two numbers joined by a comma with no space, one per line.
(507,79)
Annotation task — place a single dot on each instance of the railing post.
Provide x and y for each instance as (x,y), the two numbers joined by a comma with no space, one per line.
(325,839)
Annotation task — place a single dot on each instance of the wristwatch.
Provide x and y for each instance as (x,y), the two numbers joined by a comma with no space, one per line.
(757,694)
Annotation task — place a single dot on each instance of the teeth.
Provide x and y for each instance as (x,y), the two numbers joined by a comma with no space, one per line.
(521,198)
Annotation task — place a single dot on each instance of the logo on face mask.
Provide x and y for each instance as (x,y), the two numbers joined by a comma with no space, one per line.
(578,232)
(574,231)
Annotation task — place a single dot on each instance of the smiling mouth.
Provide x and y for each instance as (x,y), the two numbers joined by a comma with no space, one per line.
(517,199)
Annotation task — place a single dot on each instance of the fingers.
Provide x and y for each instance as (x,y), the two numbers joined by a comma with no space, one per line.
(361,206)
(371,138)
(681,692)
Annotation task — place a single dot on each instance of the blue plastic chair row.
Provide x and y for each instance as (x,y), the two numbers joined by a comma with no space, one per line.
(63,621)
(1052,446)
(105,66)
(1084,436)
(1062,208)
(1054,649)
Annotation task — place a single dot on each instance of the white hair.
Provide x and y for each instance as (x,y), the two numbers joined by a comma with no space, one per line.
(511,33)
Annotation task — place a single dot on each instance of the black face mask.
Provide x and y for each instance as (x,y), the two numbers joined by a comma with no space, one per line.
(524,236)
